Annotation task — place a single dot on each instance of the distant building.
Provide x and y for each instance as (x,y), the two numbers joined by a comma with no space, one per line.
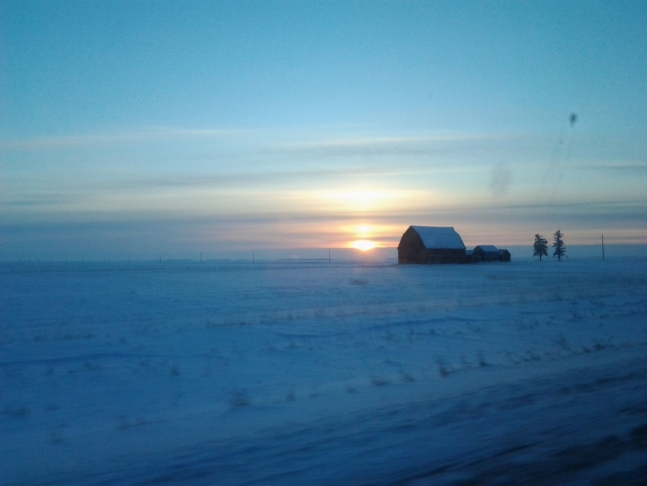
(487,253)
(431,244)
(490,253)
(442,244)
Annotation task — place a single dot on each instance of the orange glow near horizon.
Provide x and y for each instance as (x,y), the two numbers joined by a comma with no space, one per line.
(365,235)
(362,232)
(363,245)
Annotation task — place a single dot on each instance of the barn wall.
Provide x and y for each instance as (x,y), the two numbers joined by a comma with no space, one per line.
(445,256)
(411,249)
(485,256)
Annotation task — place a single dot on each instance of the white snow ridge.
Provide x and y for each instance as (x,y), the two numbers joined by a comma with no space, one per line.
(323,373)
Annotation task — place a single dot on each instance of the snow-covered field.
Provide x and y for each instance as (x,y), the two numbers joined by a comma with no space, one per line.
(327,373)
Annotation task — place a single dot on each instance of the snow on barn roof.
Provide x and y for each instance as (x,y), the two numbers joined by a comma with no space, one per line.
(489,248)
(439,237)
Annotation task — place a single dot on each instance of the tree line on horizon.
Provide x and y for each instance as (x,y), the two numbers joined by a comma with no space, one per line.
(541,246)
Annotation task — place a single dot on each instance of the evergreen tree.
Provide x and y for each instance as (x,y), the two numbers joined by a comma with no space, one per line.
(560,249)
(541,246)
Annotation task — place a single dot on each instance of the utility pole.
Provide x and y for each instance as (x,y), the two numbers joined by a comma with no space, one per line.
(328,255)
(253,256)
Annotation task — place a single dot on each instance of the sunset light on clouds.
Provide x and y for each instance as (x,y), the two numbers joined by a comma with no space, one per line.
(150,127)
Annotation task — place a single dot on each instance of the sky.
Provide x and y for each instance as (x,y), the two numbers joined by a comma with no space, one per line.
(163,127)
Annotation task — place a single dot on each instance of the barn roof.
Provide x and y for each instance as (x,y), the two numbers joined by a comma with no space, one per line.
(488,248)
(439,237)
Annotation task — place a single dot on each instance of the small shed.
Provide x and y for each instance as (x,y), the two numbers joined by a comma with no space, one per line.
(431,244)
(504,255)
(487,253)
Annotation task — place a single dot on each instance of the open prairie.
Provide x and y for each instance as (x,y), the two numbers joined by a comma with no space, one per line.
(296,372)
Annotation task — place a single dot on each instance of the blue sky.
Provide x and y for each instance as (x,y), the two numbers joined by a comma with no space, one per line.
(177,127)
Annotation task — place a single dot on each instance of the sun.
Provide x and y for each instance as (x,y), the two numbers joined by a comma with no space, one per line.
(363,245)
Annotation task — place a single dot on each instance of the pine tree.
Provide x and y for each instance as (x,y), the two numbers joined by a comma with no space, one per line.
(560,249)
(541,246)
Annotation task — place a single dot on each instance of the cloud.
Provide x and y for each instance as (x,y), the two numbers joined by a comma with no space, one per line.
(618,167)
(148,233)
(111,138)
(377,146)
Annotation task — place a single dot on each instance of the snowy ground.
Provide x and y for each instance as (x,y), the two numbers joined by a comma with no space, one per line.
(329,373)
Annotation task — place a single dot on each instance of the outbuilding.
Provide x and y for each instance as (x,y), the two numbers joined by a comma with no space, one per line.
(490,253)
(431,244)
(487,253)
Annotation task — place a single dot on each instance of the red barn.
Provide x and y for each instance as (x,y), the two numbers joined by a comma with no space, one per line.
(431,244)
